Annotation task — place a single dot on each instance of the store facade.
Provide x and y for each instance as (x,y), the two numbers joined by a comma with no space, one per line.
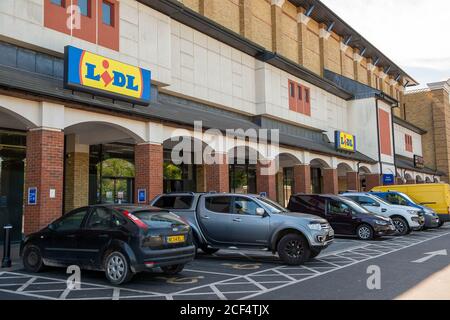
(90,121)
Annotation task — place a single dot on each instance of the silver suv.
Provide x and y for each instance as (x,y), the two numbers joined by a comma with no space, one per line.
(249,221)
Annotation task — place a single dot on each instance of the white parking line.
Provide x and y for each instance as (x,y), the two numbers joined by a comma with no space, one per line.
(26,284)
(336,269)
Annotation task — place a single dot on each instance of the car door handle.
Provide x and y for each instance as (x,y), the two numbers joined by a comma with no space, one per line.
(383,210)
(237,220)
(205,217)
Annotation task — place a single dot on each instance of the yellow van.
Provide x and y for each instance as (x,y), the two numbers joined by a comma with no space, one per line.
(433,195)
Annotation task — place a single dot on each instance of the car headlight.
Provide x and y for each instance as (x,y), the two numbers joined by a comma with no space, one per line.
(315,226)
(381,222)
(413,212)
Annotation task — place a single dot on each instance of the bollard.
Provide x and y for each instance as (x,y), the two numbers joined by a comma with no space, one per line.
(6,262)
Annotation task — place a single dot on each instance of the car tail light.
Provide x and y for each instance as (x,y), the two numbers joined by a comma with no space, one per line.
(136,220)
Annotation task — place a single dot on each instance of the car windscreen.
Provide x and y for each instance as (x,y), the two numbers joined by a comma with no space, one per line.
(381,200)
(272,206)
(180,202)
(158,219)
(355,206)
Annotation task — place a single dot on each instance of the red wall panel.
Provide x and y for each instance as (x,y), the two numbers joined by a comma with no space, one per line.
(385,132)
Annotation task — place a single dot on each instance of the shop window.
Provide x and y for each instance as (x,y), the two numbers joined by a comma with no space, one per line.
(60,3)
(85,7)
(299,98)
(107,13)
(99,20)
(408,143)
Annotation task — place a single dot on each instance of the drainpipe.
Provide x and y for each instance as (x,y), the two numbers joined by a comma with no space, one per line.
(393,138)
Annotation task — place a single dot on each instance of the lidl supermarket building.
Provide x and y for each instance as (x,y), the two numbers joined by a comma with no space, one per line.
(94,126)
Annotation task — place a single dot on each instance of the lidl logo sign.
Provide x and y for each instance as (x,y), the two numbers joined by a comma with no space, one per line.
(345,141)
(86,71)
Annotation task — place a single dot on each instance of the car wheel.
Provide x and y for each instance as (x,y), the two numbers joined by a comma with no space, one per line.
(117,268)
(441,223)
(32,259)
(364,232)
(172,270)
(293,249)
(401,226)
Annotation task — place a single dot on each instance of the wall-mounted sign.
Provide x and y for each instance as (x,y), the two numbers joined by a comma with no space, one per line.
(419,162)
(32,196)
(142,196)
(345,141)
(388,179)
(86,71)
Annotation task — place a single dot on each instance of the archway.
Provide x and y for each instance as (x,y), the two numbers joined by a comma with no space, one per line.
(343,169)
(13,141)
(99,164)
(419,180)
(363,172)
(428,180)
(317,167)
(243,165)
(184,168)
(287,177)
(409,179)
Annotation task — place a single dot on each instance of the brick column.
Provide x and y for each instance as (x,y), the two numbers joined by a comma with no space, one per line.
(148,160)
(76,184)
(277,13)
(266,180)
(372,181)
(245,18)
(44,171)
(330,181)
(353,181)
(302,179)
(217,175)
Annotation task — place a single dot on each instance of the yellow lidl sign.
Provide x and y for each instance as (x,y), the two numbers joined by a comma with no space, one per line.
(345,141)
(87,71)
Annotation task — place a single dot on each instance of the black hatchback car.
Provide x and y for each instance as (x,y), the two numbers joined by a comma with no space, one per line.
(345,216)
(120,240)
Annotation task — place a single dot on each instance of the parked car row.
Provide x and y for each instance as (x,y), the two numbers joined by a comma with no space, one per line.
(122,240)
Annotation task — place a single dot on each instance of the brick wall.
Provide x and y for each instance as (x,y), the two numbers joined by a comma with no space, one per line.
(43,170)
(330,181)
(149,169)
(217,176)
(266,182)
(76,188)
(302,179)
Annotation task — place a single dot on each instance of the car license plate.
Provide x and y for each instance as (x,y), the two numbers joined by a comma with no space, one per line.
(175,239)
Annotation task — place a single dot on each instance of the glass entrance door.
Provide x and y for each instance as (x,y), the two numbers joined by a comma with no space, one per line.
(117,190)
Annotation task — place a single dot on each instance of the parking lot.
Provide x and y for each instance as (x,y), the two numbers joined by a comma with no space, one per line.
(228,274)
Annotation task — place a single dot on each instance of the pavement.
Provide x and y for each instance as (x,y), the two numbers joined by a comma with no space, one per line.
(387,268)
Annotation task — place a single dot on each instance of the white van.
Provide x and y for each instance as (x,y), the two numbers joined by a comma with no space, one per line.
(405,218)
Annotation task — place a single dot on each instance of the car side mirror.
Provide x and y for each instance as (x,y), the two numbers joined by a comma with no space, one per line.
(260,212)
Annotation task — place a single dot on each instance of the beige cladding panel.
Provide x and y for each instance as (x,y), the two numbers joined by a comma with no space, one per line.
(224,12)
(261,23)
(289,42)
(191,4)
(362,74)
(334,55)
(347,65)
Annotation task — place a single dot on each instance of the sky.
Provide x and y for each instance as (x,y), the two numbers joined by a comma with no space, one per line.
(412,33)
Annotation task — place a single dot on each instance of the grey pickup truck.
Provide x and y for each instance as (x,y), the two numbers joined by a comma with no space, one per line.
(222,220)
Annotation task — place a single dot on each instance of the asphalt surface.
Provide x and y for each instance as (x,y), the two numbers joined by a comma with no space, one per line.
(340,272)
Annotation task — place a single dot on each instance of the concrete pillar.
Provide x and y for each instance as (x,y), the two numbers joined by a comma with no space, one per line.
(352,181)
(76,186)
(245,18)
(372,181)
(266,180)
(277,13)
(330,181)
(148,161)
(44,171)
(302,179)
(217,175)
